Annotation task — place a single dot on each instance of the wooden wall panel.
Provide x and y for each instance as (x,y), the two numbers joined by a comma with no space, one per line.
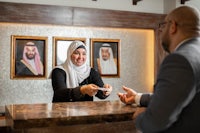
(113,18)
(74,16)
(38,14)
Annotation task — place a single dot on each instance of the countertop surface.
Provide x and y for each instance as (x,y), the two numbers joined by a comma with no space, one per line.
(68,113)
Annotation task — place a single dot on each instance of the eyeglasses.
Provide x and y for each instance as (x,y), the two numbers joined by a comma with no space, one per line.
(162,25)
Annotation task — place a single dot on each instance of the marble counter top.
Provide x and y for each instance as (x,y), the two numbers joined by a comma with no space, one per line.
(70,113)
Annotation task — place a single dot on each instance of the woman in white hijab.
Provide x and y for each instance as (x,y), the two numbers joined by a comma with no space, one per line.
(74,80)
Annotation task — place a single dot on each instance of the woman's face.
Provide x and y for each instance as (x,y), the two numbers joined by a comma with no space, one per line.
(78,57)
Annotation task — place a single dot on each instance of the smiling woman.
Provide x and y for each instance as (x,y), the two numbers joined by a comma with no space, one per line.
(78,57)
(75,80)
(60,46)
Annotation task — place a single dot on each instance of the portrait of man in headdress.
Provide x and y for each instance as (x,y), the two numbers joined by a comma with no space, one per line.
(106,62)
(30,64)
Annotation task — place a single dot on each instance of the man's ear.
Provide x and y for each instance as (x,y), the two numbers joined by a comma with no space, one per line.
(173,27)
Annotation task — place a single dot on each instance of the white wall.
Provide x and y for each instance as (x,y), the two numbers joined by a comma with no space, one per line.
(192,3)
(171,4)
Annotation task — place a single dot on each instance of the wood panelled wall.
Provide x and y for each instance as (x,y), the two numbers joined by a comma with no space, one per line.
(75,16)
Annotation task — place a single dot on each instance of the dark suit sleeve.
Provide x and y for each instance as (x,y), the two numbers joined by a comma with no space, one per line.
(173,91)
(145,99)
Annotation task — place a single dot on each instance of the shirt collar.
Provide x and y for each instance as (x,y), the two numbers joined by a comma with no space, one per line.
(181,43)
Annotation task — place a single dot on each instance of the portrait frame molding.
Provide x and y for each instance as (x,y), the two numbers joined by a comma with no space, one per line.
(95,44)
(17,44)
(68,40)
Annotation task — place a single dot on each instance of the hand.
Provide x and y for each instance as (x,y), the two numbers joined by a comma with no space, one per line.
(108,91)
(90,89)
(129,96)
(138,111)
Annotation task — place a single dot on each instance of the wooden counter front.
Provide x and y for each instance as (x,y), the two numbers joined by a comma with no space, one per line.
(71,117)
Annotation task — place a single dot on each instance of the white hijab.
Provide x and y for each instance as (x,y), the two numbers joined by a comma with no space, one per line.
(74,74)
(108,66)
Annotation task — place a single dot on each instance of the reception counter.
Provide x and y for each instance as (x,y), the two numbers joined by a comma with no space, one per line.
(71,117)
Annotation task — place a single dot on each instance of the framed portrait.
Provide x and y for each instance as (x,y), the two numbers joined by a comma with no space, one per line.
(105,56)
(28,57)
(60,47)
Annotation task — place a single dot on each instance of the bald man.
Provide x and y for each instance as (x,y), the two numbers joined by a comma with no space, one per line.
(174,106)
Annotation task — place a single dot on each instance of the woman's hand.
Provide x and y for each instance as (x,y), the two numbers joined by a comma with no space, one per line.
(90,89)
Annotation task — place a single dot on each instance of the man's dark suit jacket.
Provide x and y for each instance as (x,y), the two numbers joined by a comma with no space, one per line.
(174,106)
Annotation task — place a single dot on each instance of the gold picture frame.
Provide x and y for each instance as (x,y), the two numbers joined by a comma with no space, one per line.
(100,63)
(60,46)
(28,57)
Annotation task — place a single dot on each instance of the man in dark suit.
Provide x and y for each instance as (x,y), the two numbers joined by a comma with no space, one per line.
(174,106)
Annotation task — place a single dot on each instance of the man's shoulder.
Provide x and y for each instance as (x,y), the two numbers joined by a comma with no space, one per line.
(19,63)
(58,69)
(92,70)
